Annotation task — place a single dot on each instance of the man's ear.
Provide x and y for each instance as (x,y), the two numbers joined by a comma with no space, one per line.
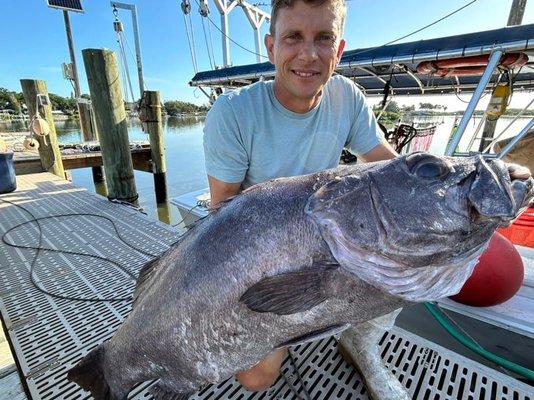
(269,45)
(340,49)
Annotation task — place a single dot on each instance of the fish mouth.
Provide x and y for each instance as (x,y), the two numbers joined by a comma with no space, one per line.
(499,192)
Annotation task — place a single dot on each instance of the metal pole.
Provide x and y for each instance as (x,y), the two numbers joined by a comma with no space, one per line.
(507,126)
(225,40)
(515,17)
(516,12)
(77,91)
(133,9)
(138,51)
(492,63)
(257,39)
(516,139)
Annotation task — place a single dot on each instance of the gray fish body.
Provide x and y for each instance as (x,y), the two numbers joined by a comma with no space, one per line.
(304,255)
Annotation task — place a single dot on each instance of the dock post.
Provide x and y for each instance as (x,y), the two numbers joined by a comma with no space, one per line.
(110,115)
(90,133)
(151,116)
(48,145)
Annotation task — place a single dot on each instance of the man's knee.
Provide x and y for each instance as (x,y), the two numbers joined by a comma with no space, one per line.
(257,381)
(264,374)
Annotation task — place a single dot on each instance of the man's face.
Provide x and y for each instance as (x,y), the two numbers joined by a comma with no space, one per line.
(305,50)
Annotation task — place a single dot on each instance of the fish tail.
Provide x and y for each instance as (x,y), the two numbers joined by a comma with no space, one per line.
(89,374)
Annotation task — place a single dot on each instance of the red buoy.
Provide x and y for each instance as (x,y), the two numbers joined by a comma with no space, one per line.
(496,278)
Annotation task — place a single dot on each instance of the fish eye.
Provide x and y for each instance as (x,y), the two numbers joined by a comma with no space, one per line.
(426,166)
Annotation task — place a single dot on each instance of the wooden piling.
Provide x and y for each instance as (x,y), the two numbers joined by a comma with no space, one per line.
(151,116)
(48,145)
(90,133)
(110,115)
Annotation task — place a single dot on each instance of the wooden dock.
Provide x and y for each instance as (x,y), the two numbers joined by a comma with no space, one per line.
(30,163)
(50,327)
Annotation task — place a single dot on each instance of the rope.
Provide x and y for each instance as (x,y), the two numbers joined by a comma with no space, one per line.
(186,9)
(295,367)
(212,63)
(125,64)
(420,29)
(211,46)
(40,248)
(232,40)
(134,57)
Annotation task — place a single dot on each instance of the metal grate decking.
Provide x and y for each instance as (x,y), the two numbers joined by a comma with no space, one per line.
(50,335)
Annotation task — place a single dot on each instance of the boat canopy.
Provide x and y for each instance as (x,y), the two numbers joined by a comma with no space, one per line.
(373,67)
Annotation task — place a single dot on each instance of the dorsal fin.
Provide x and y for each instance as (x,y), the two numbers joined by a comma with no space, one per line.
(144,279)
(148,270)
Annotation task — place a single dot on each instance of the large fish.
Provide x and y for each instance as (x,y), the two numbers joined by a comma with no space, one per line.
(295,259)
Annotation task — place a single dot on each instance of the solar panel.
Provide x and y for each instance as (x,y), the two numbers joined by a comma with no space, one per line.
(68,5)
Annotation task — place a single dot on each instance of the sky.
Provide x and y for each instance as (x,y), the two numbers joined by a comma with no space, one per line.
(33,42)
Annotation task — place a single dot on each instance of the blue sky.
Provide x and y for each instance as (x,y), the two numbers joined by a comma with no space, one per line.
(34,44)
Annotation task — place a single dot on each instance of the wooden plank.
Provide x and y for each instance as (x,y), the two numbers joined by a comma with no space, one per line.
(11,388)
(141,159)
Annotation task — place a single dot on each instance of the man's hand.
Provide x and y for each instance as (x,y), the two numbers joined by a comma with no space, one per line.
(381,152)
(220,191)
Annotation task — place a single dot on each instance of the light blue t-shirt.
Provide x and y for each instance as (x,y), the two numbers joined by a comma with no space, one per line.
(250,137)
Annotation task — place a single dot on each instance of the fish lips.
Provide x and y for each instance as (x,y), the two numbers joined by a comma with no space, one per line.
(499,192)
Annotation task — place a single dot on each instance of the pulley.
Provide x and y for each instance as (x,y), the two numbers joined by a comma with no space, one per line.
(39,127)
(186,7)
(117,26)
(204,9)
(30,144)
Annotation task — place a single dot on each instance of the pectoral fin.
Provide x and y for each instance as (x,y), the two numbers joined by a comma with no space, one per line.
(291,292)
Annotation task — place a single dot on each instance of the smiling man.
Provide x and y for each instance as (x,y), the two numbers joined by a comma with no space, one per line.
(297,124)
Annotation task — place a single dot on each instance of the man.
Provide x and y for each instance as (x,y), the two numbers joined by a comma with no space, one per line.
(294,125)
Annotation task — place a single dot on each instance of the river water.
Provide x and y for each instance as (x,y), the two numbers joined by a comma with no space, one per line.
(185,156)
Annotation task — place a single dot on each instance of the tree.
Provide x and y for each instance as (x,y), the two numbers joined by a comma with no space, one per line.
(174,108)
(9,100)
(393,107)
(428,106)
(65,104)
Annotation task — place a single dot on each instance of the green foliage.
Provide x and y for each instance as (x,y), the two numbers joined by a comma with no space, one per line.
(515,111)
(173,108)
(65,104)
(9,101)
(430,106)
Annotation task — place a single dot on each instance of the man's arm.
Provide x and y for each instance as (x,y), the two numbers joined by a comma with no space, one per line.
(220,191)
(383,151)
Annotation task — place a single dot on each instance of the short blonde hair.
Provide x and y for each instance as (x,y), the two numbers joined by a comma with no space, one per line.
(338,6)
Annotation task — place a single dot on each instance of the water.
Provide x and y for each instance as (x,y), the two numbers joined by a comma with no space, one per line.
(185,156)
